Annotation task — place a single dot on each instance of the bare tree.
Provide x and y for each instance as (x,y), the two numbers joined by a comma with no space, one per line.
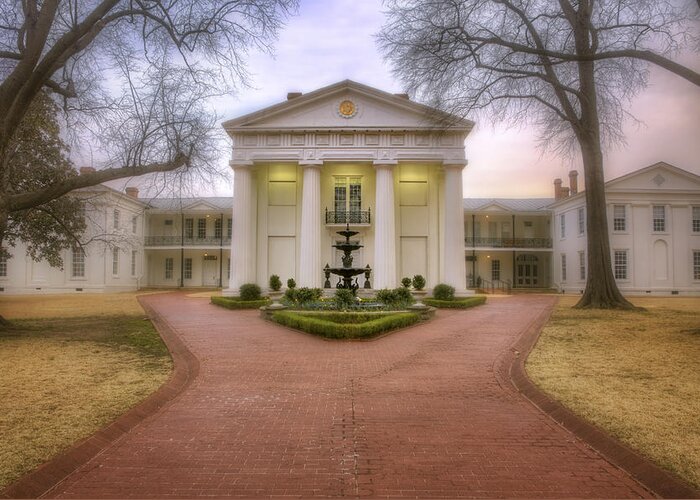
(568,66)
(133,76)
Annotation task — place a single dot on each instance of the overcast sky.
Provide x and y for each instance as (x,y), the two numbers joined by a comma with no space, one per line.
(333,40)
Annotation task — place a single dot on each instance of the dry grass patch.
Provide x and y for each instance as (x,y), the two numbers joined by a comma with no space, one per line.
(65,377)
(68,305)
(635,374)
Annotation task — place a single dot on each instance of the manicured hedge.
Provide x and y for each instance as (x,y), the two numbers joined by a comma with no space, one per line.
(341,326)
(237,303)
(455,303)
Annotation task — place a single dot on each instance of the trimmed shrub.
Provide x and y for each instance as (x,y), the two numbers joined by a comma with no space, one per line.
(302,296)
(275,283)
(456,303)
(397,298)
(250,291)
(406,282)
(291,283)
(443,292)
(418,282)
(344,298)
(318,325)
(403,296)
(237,303)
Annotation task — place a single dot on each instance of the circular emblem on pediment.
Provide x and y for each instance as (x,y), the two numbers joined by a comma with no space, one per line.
(347,108)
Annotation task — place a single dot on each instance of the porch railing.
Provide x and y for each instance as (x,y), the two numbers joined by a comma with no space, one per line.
(349,216)
(178,241)
(508,242)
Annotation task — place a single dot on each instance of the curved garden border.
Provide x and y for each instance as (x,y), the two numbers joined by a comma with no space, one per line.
(47,476)
(657,480)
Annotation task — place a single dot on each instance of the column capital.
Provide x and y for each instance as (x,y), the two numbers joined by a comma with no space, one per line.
(384,163)
(310,163)
(460,164)
(236,164)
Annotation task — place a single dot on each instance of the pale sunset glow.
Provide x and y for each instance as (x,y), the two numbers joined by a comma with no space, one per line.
(332,41)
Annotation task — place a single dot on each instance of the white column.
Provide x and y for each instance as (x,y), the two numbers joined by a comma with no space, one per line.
(454,268)
(384,270)
(310,234)
(243,261)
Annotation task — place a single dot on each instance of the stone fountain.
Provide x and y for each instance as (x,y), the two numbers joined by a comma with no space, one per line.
(347,272)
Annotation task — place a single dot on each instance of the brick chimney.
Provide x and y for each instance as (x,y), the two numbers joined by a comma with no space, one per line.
(565,192)
(87,170)
(293,95)
(557,189)
(132,191)
(573,181)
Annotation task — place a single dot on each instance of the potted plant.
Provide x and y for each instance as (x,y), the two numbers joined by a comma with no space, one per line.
(418,291)
(406,282)
(275,291)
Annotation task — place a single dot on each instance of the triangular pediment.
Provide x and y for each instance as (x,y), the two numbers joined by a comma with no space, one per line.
(493,207)
(199,206)
(347,105)
(660,176)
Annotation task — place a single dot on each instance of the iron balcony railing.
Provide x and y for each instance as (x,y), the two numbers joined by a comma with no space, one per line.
(509,242)
(178,241)
(348,216)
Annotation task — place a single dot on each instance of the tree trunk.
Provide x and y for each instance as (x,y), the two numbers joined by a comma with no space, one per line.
(601,290)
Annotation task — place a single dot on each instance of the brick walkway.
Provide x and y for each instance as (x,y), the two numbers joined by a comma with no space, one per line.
(418,413)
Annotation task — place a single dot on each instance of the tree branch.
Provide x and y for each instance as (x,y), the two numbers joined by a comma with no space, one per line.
(23,201)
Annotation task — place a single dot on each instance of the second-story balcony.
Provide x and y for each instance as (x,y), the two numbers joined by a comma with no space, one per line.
(355,217)
(508,242)
(179,241)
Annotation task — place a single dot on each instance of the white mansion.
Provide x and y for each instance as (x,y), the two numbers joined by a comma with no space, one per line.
(391,169)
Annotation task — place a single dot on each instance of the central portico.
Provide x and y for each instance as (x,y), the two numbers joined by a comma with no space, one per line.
(348,154)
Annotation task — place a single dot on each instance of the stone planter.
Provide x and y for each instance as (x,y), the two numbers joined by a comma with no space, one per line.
(275,297)
(419,295)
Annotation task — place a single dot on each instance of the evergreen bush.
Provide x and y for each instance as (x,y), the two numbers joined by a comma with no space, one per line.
(275,283)
(406,282)
(345,329)
(344,298)
(291,283)
(250,291)
(418,282)
(443,292)
(456,303)
(237,303)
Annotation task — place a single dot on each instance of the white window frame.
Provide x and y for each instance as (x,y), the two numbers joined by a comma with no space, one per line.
(169,268)
(3,266)
(658,224)
(695,219)
(218,228)
(622,226)
(581,214)
(352,203)
(563,267)
(617,264)
(77,262)
(189,228)
(696,265)
(134,258)
(562,226)
(115,218)
(201,228)
(187,270)
(115,262)
(582,265)
(495,270)
(134,224)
